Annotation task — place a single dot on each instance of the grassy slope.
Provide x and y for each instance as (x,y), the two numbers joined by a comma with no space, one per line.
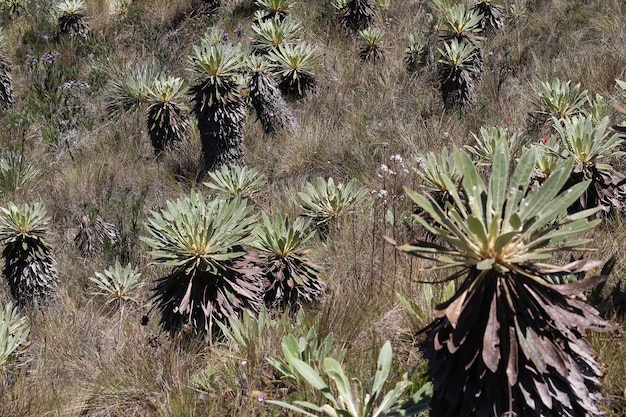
(88,359)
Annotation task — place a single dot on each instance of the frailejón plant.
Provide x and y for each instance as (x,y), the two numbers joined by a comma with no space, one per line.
(218,105)
(71,18)
(7,95)
(456,72)
(29,263)
(294,66)
(510,341)
(308,349)
(492,14)
(593,147)
(325,202)
(118,284)
(270,33)
(557,99)
(355,14)
(349,398)
(14,330)
(211,278)
(168,120)
(490,139)
(236,181)
(372,49)
(291,277)
(271,108)
(92,237)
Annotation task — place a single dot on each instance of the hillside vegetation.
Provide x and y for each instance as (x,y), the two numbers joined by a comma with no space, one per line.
(196,213)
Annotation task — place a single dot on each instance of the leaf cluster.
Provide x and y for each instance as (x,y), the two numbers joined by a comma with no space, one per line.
(324,201)
(131,86)
(294,65)
(236,181)
(118,284)
(349,397)
(215,61)
(435,170)
(508,223)
(14,331)
(559,99)
(26,220)
(464,25)
(274,8)
(372,38)
(199,234)
(17,173)
(308,349)
(281,238)
(490,139)
(590,144)
(270,33)
(292,277)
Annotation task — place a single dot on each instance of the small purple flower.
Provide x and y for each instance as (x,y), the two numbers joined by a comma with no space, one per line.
(68,85)
(260,398)
(244,362)
(239,31)
(47,58)
(31,61)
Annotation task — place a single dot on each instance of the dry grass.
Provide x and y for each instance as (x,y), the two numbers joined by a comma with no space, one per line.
(88,359)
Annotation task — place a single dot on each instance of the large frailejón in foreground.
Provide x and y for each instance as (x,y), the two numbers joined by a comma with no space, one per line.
(511,341)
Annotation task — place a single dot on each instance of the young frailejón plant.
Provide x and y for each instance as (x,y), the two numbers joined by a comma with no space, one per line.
(351,399)
(324,202)
(510,342)
(559,99)
(17,174)
(355,14)
(491,15)
(372,49)
(14,330)
(598,107)
(118,284)
(236,181)
(440,179)
(218,105)
(71,18)
(7,95)
(294,65)
(212,277)
(464,26)
(308,349)
(29,264)
(456,73)
(490,139)
(415,54)
(129,87)
(92,237)
(167,116)
(271,108)
(168,119)
(291,277)
(548,159)
(268,34)
(274,8)
(593,147)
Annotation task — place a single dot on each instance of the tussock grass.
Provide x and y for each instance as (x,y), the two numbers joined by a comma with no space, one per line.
(88,359)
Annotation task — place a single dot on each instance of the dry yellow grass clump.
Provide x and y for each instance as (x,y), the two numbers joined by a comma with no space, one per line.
(76,138)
